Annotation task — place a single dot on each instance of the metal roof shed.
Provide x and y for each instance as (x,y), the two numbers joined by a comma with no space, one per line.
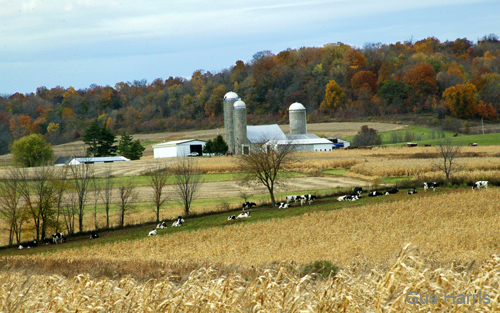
(178,148)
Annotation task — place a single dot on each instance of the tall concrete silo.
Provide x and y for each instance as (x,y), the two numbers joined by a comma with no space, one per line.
(240,126)
(298,120)
(229,99)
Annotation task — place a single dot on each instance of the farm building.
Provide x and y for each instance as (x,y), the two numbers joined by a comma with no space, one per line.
(240,136)
(339,143)
(179,148)
(88,160)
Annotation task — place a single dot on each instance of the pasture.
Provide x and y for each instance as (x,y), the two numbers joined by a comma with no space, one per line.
(429,242)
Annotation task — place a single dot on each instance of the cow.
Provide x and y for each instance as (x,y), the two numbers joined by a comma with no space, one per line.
(58,238)
(27,245)
(309,198)
(348,198)
(432,185)
(358,191)
(153,233)
(412,191)
(375,194)
(178,222)
(94,235)
(283,205)
(248,205)
(243,215)
(292,198)
(231,218)
(480,184)
(162,225)
(48,241)
(391,191)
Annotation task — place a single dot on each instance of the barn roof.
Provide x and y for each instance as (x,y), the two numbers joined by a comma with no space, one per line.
(174,143)
(303,139)
(260,133)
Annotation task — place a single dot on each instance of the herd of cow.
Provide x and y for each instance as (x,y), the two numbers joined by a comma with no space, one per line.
(302,199)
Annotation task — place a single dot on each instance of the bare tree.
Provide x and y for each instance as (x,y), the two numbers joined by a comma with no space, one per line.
(158,178)
(107,193)
(447,152)
(61,185)
(38,190)
(70,211)
(127,196)
(266,162)
(81,175)
(12,208)
(96,188)
(187,181)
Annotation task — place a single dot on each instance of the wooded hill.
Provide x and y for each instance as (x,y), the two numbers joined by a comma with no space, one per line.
(455,78)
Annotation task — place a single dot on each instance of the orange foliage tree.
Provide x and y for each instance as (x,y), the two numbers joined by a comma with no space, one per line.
(364,79)
(20,126)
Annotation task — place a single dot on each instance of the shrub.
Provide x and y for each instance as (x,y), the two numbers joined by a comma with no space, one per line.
(322,268)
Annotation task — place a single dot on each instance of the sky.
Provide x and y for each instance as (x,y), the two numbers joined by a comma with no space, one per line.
(78,43)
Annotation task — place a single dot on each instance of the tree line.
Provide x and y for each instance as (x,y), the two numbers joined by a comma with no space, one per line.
(457,78)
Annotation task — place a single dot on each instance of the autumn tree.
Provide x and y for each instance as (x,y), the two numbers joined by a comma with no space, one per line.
(366,137)
(12,209)
(364,79)
(334,97)
(32,151)
(461,100)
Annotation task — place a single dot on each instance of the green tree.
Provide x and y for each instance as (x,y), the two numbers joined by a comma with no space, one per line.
(129,148)
(217,146)
(32,151)
(100,141)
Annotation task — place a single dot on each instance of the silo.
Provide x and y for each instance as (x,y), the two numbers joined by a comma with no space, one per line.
(240,126)
(298,120)
(229,99)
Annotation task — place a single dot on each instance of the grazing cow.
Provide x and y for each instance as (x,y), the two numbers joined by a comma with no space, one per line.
(94,235)
(243,215)
(248,205)
(412,191)
(58,238)
(358,191)
(162,225)
(291,198)
(391,191)
(375,194)
(348,198)
(432,185)
(480,184)
(309,198)
(178,222)
(153,233)
(27,245)
(231,218)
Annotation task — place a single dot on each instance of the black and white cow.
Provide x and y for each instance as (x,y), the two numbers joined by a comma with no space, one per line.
(162,225)
(27,245)
(391,191)
(58,238)
(48,241)
(348,198)
(412,191)
(480,184)
(243,215)
(306,198)
(94,235)
(248,205)
(292,198)
(283,205)
(153,233)
(432,185)
(178,222)
(375,194)
(231,218)
(358,191)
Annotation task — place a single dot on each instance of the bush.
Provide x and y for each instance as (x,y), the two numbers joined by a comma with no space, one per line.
(366,137)
(322,268)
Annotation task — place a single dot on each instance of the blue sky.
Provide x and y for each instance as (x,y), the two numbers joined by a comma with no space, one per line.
(82,42)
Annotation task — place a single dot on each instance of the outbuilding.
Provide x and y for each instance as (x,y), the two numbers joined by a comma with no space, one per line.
(89,160)
(179,148)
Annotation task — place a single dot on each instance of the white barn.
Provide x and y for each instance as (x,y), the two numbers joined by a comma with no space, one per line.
(178,148)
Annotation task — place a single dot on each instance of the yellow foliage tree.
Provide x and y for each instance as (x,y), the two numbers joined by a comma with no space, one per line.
(334,97)
(461,100)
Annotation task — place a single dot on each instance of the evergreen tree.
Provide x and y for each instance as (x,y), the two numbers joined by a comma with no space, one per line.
(129,148)
(217,146)
(100,141)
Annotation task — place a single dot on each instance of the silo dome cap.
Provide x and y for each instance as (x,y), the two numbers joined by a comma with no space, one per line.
(239,105)
(296,107)
(231,96)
